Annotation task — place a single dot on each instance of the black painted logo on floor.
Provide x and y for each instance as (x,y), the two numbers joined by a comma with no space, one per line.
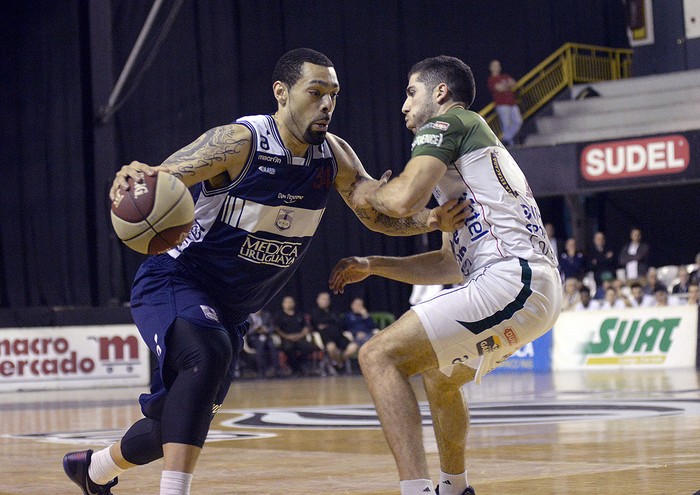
(108,437)
(511,413)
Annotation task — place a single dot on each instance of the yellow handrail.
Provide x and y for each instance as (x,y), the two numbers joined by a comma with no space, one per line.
(571,63)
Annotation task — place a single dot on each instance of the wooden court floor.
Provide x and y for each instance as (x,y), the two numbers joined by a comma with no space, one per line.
(574,433)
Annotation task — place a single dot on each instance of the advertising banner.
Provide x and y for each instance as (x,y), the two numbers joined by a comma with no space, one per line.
(650,338)
(72,357)
(648,160)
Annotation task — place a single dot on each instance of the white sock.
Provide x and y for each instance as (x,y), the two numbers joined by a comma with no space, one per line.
(175,483)
(453,484)
(417,487)
(102,467)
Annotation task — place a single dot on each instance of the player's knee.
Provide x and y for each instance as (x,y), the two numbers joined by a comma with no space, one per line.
(216,355)
(437,383)
(205,351)
(372,355)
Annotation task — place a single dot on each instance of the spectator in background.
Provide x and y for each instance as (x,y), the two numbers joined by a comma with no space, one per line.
(549,228)
(602,259)
(608,280)
(338,347)
(572,263)
(651,282)
(295,334)
(612,300)
(660,296)
(571,294)
(638,299)
(585,302)
(259,338)
(622,289)
(634,256)
(694,277)
(683,281)
(359,323)
(501,86)
(693,293)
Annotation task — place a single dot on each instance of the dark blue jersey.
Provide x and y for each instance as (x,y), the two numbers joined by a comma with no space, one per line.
(249,236)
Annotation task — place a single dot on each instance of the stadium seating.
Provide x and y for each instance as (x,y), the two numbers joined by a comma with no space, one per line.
(626,108)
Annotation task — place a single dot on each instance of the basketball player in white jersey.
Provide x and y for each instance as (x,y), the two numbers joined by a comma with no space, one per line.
(507,290)
(261,185)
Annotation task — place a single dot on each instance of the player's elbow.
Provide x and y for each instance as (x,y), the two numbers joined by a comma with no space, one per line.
(454,278)
(449,269)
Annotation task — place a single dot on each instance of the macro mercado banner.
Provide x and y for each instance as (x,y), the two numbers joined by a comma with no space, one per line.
(51,358)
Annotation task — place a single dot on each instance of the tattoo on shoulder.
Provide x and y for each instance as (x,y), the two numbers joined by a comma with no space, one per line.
(216,145)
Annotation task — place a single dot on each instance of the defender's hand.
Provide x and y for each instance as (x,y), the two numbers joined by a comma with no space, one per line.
(348,271)
(362,188)
(448,217)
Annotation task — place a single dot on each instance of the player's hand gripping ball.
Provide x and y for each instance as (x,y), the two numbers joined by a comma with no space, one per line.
(153,215)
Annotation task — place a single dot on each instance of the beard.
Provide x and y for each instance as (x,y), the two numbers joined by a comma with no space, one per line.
(427,111)
(314,137)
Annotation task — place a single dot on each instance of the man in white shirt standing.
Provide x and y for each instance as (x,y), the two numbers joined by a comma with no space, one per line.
(634,256)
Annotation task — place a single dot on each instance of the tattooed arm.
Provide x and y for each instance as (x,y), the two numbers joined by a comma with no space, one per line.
(406,194)
(217,155)
(447,217)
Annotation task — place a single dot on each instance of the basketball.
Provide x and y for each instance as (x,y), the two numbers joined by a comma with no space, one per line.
(153,215)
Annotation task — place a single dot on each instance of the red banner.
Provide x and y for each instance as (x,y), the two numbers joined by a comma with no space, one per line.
(631,158)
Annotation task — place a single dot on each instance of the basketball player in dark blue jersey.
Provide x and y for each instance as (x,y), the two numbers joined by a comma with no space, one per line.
(261,185)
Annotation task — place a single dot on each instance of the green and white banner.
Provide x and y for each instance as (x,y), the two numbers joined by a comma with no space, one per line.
(663,337)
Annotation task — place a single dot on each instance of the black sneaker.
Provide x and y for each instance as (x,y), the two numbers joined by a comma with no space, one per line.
(75,464)
(468,491)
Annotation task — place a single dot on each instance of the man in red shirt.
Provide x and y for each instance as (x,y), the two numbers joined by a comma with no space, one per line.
(501,87)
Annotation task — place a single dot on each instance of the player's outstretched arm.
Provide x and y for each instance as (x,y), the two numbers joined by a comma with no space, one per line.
(405,195)
(432,268)
(448,217)
(219,151)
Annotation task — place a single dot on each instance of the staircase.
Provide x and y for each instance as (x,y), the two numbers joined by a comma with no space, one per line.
(657,104)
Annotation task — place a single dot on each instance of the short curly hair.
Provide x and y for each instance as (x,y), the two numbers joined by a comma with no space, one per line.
(288,68)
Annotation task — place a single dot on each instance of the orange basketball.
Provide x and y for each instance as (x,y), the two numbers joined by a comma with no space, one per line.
(153,215)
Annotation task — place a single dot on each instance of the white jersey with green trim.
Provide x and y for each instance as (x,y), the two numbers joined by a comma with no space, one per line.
(503,218)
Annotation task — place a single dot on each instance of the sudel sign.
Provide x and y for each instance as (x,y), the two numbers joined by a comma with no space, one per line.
(635,158)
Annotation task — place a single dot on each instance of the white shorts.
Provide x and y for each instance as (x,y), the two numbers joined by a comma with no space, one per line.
(497,311)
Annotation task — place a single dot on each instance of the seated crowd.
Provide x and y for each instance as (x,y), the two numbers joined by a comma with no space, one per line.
(321,342)
(602,279)
(290,343)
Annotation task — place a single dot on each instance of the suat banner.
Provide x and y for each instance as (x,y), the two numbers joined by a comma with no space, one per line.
(650,338)
(72,357)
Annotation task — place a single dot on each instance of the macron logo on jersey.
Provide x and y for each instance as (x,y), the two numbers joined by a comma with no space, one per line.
(269,158)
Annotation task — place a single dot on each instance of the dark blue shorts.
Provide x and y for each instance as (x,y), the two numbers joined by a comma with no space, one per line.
(162,292)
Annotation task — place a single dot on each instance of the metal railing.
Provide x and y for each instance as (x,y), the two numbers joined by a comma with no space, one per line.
(572,63)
